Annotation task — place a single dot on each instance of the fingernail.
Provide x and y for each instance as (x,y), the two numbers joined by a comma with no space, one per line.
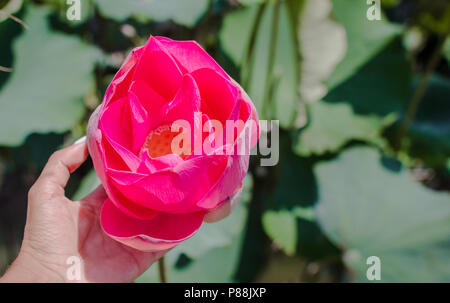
(81,140)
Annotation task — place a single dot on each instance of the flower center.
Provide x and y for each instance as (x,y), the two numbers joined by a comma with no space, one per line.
(159,142)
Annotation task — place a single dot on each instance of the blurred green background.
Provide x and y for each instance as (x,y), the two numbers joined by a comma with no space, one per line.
(364,110)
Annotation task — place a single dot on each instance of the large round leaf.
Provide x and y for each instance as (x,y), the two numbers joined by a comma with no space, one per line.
(186,12)
(371,209)
(51,74)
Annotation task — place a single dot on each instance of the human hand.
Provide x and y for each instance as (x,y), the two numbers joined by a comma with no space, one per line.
(58,230)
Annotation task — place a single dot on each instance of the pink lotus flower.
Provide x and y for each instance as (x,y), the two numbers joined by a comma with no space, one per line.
(158,198)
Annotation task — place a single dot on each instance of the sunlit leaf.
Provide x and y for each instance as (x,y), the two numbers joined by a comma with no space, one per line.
(281,226)
(333,125)
(323,45)
(361,107)
(365,38)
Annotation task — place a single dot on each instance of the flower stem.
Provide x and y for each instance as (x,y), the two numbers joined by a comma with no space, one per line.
(420,92)
(162,270)
(268,91)
(250,53)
